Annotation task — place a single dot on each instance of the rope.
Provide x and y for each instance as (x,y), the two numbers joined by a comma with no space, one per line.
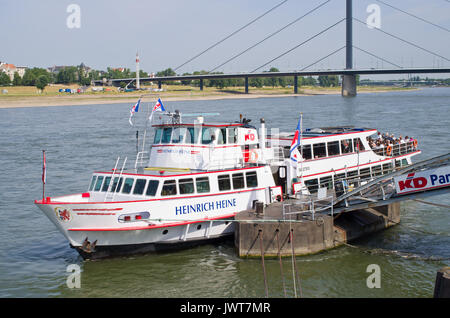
(294,263)
(262,261)
(281,264)
(435,204)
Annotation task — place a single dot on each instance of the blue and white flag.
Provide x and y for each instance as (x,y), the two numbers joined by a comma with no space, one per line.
(159,107)
(294,153)
(133,110)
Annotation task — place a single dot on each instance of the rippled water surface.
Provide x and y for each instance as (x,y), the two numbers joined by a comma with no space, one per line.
(80,139)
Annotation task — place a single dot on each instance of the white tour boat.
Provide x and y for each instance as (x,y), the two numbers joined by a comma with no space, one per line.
(195,177)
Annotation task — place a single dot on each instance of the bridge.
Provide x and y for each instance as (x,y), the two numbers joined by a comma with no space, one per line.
(348,74)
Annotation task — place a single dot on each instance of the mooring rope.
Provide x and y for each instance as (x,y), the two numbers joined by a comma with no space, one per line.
(262,262)
(435,204)
(294,263)
(281,264)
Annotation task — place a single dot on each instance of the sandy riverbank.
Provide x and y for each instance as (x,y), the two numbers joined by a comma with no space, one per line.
(61,99)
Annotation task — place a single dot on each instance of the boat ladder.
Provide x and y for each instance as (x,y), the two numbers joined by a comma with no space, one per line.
(110,193)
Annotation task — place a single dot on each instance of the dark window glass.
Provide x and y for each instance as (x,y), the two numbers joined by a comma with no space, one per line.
(232,138)
(207,135)
(202,184)
(326,182)
(346,146)
(333,148)
(158,134)
(166,135)
(221,138)
(152,187)
(224,182)
(128,185)
(358,145)
(306,152)
(364,173)
(98,185)
(94,178)
(192,135)
(169,188)
(106,184)
(238,181)
(387,168)
(376,171)
(140,186)
(252,179)
(312,185)
(117,186)
(320,150)
(186,186)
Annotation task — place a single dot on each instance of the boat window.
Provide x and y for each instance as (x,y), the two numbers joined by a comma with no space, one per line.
(358,145)
(221,136)
(191,135)
(98,185)
(306,152)
(320,150)
(166,135)
(312,185)
(232,136)
(252,179)
(346,146)
(398,163)
(202,184)
(186,186)
(152,187)
(364,173)
(238,181)
(224,182)
(169,188)
(178,135)
(326,182)
(207,135)
(376,171)
(404,162)
(91,186)
(139,186)
(106,184)
(387,168)
(128,185)
(158,134)
(116,186)
(333,148)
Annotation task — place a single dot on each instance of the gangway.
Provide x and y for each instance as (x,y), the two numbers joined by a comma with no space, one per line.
(423,179)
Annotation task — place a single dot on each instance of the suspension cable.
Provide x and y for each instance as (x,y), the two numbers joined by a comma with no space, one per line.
(334,52)
(269,36)
(384,60)
(298,45)
(230,35)
(410,43)
(414,16)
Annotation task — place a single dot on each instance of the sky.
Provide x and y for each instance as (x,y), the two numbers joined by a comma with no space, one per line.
(167,33)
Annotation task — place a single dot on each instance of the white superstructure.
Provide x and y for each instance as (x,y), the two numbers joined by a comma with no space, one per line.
(196,176)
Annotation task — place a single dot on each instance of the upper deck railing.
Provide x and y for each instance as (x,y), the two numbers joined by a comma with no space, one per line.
(397,149)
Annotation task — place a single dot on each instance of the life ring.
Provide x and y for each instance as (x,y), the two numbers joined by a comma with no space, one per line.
(389,150)
(415,143)
(253,156)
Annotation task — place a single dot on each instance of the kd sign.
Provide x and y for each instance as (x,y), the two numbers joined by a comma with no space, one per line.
(423,180)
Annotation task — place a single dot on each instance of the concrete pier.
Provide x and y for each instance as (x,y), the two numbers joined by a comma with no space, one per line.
(303,234)
(348,88)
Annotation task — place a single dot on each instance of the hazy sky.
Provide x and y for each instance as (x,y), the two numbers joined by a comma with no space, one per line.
(169,32)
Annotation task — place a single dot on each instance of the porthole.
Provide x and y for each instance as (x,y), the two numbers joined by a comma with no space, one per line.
(199,227)
(165,232)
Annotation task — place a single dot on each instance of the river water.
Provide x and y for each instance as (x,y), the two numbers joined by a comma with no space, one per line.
(34,256)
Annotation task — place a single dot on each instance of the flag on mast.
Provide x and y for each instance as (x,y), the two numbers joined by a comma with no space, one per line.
(133,110)
(294,153)
(159,107)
